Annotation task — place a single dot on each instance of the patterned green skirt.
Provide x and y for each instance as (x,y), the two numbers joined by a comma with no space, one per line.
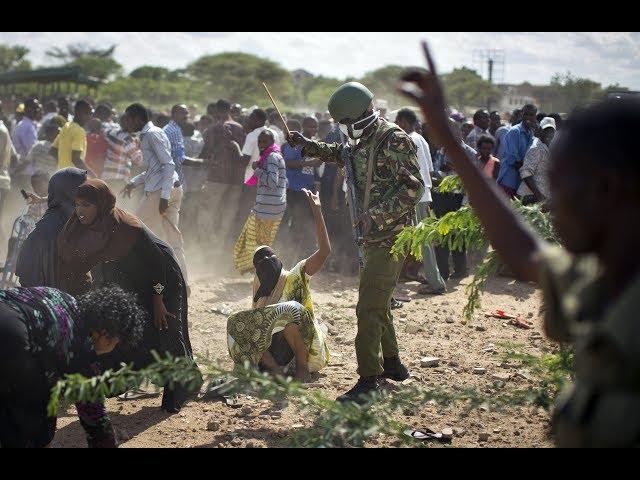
(249,332)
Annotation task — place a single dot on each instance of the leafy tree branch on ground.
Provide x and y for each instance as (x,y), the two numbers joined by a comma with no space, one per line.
(461,230)
(333,424)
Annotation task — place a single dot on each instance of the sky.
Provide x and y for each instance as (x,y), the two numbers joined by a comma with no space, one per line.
(606,57)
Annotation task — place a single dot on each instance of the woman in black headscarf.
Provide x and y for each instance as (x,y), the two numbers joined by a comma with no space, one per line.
(115,245)
(281,327)
(37,260)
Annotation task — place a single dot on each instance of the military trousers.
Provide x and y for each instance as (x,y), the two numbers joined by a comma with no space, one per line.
(376,333)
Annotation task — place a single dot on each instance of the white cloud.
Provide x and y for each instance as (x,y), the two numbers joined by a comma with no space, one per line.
(607,57)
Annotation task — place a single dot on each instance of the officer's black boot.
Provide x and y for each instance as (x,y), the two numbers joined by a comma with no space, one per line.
(364,386)
(394,369)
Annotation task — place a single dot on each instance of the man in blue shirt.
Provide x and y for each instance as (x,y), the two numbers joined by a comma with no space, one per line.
(173,130)
(513,148)
(300,175)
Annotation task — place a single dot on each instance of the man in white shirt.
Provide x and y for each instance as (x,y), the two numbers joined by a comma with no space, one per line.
(250,150)
(407,120)
(275,124)
(535,168)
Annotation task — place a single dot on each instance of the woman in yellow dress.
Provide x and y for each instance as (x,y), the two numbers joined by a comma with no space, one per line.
(281,326)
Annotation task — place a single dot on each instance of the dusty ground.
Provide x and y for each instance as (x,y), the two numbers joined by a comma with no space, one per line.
(423,329)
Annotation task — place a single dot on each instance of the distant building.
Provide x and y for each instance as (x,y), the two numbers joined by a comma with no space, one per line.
(515,96)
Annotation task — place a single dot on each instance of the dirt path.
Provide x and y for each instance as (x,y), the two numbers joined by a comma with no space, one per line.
(424,329)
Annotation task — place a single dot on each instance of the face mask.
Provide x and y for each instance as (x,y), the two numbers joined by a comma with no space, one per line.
(268,272)
(354,130)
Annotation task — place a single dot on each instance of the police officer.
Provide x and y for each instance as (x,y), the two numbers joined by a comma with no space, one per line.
(388,186)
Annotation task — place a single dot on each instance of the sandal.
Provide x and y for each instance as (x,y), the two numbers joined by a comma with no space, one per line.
(137,394)
(425,435)
(232,401)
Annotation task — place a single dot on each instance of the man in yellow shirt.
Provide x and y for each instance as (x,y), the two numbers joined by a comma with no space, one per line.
(70,146)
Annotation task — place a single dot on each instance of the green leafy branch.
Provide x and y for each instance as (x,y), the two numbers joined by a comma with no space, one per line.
(553,370)
(76,388)
(334,424)
(450,184)
(486,269)
(462,230)
(457,230)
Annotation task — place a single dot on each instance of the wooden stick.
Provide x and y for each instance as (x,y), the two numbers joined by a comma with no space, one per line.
(277,109)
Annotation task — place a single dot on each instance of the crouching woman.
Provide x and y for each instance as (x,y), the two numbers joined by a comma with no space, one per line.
(281,328)
(45,334)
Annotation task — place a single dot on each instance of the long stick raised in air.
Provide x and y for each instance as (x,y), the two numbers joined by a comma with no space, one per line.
(277,109)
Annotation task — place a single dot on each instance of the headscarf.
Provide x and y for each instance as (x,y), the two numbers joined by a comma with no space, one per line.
(253,180)
(37,263)
(268,269)
(110,237)
(63,186)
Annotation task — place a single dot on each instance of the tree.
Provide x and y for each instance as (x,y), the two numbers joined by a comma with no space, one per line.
(156,94)
(147,71)
(79,50)
(570,91)
(315,92)
(12,57)
(102,68)
(382,82)
(465,88)
(92,61)
(238,77)
(615,88)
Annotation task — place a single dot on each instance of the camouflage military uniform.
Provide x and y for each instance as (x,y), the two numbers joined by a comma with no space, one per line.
(396,188)
(602,407)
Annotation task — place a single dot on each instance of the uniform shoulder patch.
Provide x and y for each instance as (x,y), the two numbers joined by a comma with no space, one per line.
(401,142)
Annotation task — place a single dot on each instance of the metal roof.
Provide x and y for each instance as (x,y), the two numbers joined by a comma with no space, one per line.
(49,75)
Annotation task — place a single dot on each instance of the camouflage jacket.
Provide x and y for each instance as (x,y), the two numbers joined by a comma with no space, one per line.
(602,407)
(396,183)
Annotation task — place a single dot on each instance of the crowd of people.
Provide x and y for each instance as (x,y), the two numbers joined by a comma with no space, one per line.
(213,156)
(117,197)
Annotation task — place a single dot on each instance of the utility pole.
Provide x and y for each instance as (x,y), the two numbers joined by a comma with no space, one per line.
(489,63)
(490,70)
